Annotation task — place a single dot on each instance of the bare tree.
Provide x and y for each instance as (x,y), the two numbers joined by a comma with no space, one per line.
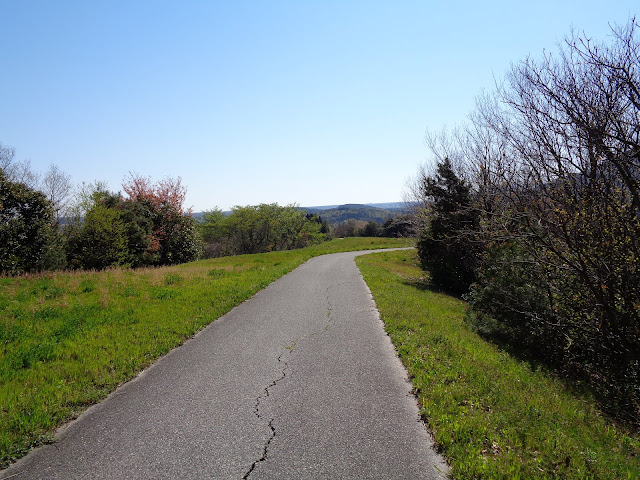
(19,172)
(6,156)
(558,147)
(83,199)
(57,186)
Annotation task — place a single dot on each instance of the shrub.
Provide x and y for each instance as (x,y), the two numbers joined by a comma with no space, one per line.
(28,239)
(258,229)
(101,241)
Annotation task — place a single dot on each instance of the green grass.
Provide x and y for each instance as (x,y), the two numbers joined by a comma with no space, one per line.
(492,416)
(68,339)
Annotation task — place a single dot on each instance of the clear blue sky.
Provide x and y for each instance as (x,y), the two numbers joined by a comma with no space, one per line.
(313,103)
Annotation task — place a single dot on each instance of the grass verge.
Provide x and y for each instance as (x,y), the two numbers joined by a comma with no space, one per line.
(68,339)
(492,416)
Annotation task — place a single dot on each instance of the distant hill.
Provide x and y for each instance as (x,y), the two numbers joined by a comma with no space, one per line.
(336,214)
(339,214)
(391,206)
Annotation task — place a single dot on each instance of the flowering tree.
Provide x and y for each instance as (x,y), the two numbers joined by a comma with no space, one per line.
(162,229)
(148,227)
(165,195)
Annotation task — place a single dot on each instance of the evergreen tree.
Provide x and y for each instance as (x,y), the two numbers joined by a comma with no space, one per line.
(445,247)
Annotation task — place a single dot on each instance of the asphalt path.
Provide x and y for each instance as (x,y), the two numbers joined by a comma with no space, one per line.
(298,382)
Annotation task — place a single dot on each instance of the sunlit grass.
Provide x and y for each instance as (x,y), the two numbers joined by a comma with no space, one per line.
(68,339)
(492,416)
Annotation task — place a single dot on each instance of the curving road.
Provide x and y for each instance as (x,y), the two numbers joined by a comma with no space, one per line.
(298,382)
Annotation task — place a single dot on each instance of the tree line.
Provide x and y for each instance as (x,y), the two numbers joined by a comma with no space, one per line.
(260,228)
(145,225)
(532,211)
(42,227)
(404,225)
(266,227)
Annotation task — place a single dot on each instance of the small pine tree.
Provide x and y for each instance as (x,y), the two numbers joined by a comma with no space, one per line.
(445,247)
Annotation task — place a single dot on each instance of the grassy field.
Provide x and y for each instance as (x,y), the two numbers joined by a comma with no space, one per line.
(492,416)
(68,339)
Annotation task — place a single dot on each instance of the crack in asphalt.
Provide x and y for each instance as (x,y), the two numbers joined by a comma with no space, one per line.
(329,308)
(256,411)
(330,318)
(265,393)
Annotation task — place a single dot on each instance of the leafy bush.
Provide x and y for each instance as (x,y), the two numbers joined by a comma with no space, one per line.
(148,228)
(258,229)
(28,239)
(512,303)
(401,226)
(100,242)
(371,229)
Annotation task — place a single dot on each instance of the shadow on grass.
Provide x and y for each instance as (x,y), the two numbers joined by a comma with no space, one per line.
(424,284)
(572,378)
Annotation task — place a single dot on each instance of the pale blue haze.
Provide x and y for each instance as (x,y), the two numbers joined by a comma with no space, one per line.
(313,103)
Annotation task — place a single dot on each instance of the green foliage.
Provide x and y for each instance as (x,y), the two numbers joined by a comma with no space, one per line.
(147,229)
(101,241)
(325,227)
(214,233)
(513,303)
(371,229)
(401,226)
(492,415)
(181,242)
(143,247)
(260,228)
(28,239)
(572,304)
(445,248)
(212,225)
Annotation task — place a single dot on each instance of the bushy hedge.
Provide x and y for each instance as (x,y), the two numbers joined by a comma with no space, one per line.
(148,228)
(258,229)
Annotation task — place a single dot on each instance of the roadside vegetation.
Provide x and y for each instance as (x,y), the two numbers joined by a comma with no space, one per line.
(258,229)
(532,211)
(403,225)
(269,227)
(492,415)
(43,229)
(68,339)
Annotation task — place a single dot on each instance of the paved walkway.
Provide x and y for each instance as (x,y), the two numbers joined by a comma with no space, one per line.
(298,382)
